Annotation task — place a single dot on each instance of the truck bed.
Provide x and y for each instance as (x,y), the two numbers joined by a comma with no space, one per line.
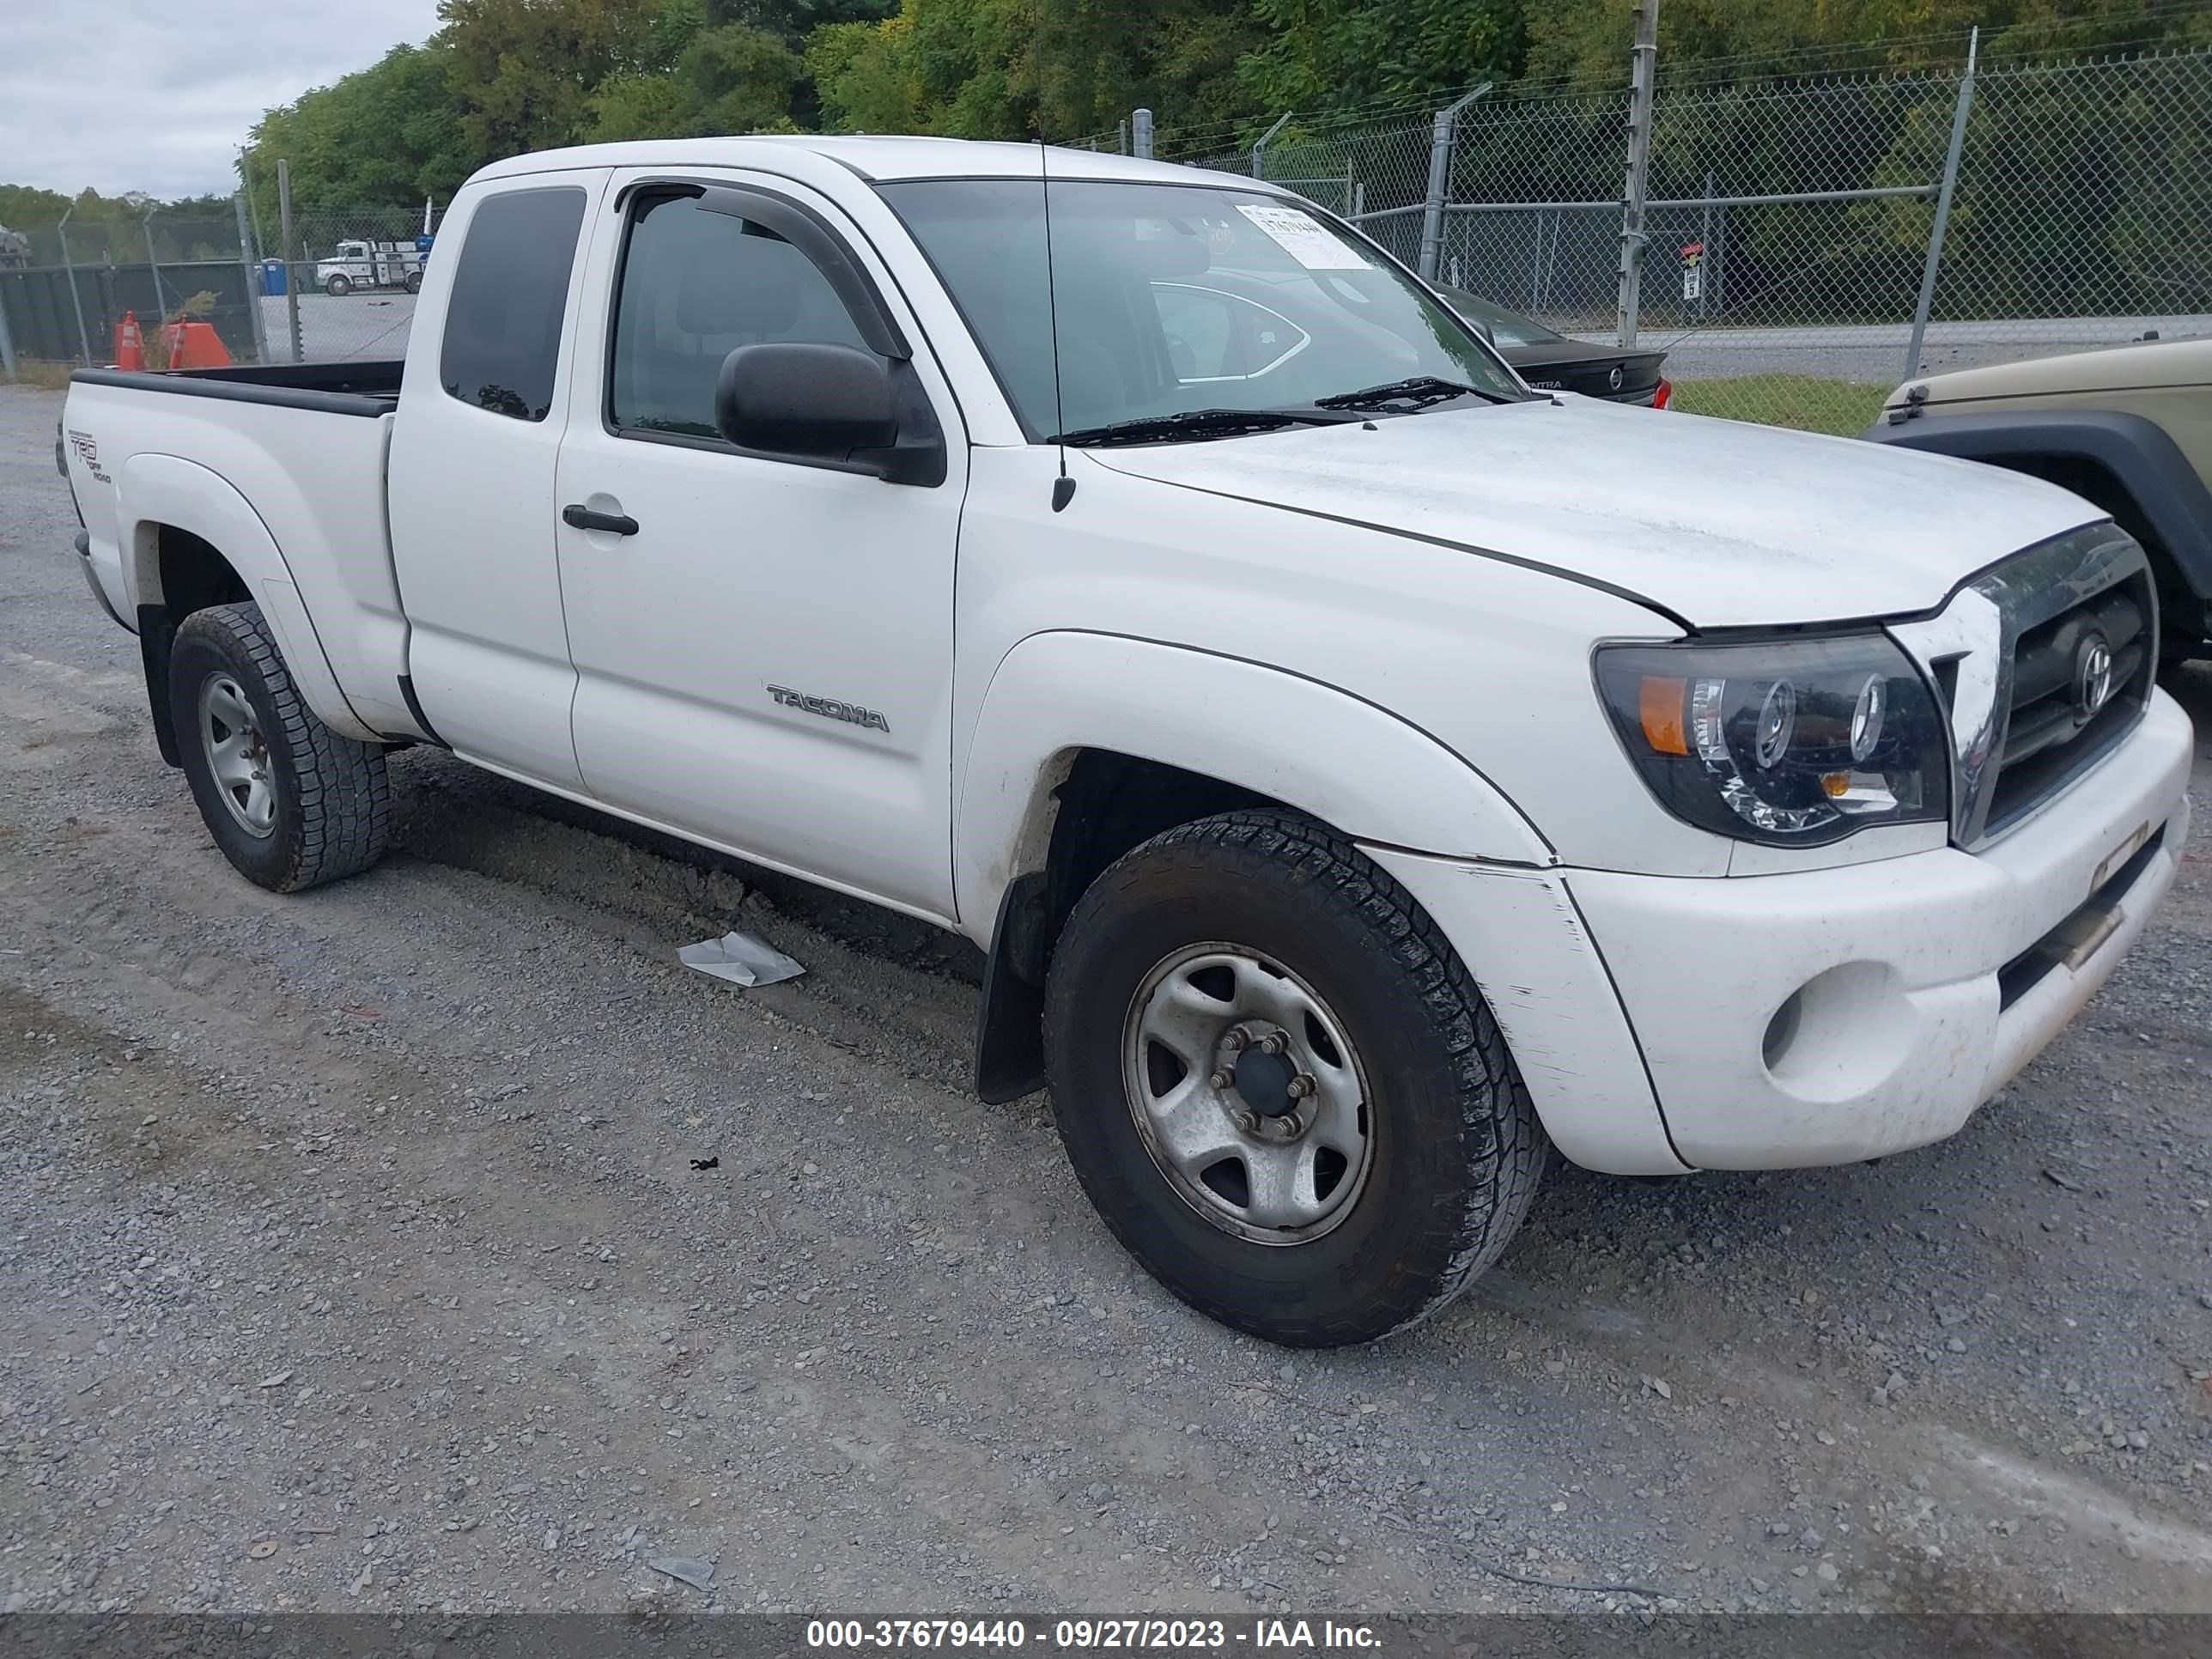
(368,388)
(281,469)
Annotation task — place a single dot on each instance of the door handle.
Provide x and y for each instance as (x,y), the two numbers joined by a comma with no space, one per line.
(577,516)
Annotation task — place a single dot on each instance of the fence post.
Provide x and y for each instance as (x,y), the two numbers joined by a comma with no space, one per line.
(7,340)
(76,303)
(1643,72)
(1705,246)
(1260,149)
(1140,132)
(291,276)
(1121,131)
(154,265)
(1943,195)
(1432,212)
(252,267)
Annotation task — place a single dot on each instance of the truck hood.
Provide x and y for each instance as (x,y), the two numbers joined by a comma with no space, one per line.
(1718,522)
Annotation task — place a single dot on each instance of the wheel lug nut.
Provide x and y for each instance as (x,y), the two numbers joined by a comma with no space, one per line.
(1272,1043)
(1220,1079)
(1247,1122)
(1301,1086)
(1235,1043)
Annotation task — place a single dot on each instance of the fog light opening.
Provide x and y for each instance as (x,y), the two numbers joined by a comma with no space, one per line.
(1782,1029)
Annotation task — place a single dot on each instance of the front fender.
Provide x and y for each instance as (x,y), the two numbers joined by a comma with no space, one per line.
(153,490)
(1370,774)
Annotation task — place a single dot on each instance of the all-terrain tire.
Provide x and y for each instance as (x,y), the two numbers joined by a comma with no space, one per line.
(332,802)
(1456,1150)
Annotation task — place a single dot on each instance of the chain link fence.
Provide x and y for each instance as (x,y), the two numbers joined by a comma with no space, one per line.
(70,292)
(1801,254)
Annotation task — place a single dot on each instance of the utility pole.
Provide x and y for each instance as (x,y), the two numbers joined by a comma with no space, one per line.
(291,276)
(1643,63)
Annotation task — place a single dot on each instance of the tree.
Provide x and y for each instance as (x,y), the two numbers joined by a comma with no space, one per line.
(730,79)
(386,136)
(1326,53)
(525,71)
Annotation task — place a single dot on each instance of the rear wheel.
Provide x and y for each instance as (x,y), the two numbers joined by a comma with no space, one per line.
(291,802)
(414,281)
(1279,1085)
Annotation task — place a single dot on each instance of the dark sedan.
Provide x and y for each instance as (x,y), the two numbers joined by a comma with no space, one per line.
(1551,361)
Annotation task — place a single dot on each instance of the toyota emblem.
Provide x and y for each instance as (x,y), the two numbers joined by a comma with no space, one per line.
(2092,676)
(1613,379)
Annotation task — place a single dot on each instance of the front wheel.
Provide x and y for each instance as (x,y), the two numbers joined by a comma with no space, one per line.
(1279,1086)
(291,802)
(338,286)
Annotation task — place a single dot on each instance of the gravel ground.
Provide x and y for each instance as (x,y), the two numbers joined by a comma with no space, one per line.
(356,1256)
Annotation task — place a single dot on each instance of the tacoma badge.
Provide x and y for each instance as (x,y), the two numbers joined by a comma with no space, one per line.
(830,708)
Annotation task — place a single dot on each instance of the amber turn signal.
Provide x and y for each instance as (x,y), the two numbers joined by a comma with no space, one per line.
(1659,706)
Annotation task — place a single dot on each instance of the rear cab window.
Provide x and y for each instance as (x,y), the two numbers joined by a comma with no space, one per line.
(502,350)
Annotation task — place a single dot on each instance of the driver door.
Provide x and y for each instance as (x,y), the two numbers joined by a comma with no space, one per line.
(765,656)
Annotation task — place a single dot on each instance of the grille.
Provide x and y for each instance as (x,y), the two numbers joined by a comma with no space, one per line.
(2017,656)
(2051,734)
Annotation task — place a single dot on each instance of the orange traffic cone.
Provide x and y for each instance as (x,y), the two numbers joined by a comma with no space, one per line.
(198,346)
(130,349)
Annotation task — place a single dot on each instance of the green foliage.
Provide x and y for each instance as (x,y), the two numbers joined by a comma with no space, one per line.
(506,76)
(387,136)
(733,78)
(1326,52)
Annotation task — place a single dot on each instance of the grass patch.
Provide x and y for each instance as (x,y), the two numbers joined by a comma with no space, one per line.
(47,376)
(1804,401)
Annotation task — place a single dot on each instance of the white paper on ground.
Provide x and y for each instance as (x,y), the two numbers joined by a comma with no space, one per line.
(1301,236)
(741,958)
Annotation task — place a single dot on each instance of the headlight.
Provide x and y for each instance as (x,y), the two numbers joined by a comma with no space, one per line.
(1791,742)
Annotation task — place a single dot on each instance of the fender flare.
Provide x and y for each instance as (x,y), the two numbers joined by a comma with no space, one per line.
(153,490)
(1367,773)
(2173,501)
(1357,767)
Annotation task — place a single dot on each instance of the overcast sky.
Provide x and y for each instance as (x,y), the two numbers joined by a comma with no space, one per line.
(157,94)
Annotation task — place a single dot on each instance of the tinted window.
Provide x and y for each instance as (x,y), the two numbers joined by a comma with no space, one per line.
(695,286)
(503,321)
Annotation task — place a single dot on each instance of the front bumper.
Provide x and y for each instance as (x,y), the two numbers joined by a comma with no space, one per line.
(1769,1022)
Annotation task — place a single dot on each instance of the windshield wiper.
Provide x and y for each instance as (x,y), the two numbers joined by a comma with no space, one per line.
(1196,424)
(1418,392)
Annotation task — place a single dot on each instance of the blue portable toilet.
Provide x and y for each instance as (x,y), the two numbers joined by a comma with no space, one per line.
(273,277)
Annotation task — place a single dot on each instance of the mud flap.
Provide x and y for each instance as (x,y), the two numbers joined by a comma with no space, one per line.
(157,634)
(1009,1020)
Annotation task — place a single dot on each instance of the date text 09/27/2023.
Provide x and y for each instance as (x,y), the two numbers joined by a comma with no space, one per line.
(1267,1634)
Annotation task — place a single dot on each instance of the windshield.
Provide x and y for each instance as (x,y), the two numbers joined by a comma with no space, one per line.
(1178,299)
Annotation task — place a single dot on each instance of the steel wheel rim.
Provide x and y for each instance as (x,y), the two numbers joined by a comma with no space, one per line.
(1295,1177)
(238,756)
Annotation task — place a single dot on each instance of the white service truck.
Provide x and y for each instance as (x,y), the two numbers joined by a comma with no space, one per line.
(1364,773)
(370,264)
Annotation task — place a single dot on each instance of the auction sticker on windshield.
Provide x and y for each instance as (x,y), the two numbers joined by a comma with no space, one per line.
(1300,235)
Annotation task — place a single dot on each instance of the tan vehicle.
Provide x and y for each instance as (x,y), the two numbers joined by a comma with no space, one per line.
(2130,429)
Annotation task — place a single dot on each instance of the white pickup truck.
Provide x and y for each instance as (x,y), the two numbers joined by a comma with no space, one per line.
(1364,773)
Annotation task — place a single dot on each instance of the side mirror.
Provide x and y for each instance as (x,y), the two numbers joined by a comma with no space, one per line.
(813,401)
